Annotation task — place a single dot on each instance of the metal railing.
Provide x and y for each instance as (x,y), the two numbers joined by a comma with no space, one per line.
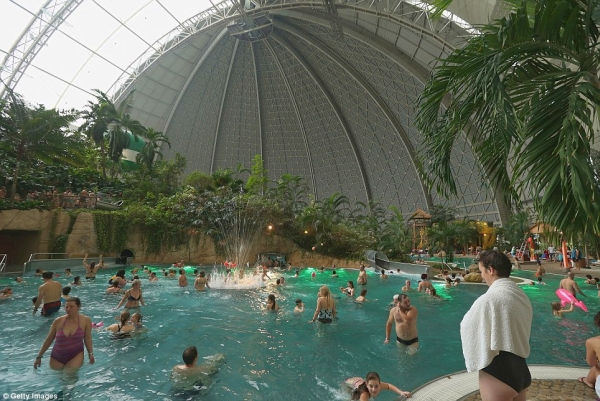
(36,256)
(3,257)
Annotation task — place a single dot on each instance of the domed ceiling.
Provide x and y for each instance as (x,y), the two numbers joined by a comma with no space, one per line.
(323,90)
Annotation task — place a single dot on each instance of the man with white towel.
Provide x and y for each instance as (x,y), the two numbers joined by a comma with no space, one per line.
(495,333)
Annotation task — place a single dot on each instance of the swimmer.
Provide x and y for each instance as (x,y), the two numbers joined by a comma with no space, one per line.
(431,291)
(133,296)
(49,293)
(407,286)
(395,300)
(540,281)
(558,311)
(325,311)
(405,315)
(119,278)
(136,320)
(349,290)
(190,376)
(299,306)
(67,272)
(152,277)
(297,273)
(38,272)
(383,275)
(424,283)
(365,389)
(362,276)
(76,280)
(6,292)
(69,333)
(90,269)
(113,289)
(590,280)
(457,282)
(182,278)
(122,329)
(362,296)
(448,283)
(201,282)
(334,274)
(271,304)
(65,295)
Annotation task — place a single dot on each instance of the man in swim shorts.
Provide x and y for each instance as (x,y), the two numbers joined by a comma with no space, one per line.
(49,293)
(405,316)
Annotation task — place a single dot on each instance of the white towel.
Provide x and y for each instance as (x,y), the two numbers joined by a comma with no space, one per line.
(499,320)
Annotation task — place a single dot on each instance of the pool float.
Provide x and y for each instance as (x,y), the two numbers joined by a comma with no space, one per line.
(566,298)
(97,325)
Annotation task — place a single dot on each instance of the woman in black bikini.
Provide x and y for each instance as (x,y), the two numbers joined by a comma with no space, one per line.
(133,296)
(122,329)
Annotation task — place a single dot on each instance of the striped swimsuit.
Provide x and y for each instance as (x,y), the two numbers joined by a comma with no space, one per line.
(67,347)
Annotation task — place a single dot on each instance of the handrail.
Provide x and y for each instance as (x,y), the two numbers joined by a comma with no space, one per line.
(2,262)
(33,256)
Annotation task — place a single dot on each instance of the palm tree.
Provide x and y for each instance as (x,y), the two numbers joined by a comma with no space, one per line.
(525,92)
(396,237)
(105,119)
(151,149)
(97,118)
(37,133)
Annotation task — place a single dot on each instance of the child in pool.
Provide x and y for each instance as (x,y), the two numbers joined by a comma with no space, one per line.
(299,306)
(364,389)
(558,311)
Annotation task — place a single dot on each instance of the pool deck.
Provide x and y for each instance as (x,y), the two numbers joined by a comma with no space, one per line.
(550,382)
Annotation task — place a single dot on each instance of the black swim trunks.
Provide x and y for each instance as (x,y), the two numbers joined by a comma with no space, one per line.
(511,370)
(407,342)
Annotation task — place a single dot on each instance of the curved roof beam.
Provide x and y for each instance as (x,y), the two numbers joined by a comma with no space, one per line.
(229,10)
(225,89)
(33,38)
(296,110)
(321,84)
(260,128)
(403,61)
(367,87)
(205,55)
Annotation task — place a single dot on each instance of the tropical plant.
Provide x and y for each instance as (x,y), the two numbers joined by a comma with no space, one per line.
(103,120)
(257,181)
(396,238)
(151,150)
(516,229)
(35,133)
(525,91)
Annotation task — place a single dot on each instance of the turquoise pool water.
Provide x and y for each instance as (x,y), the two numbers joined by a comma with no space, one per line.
(268,355)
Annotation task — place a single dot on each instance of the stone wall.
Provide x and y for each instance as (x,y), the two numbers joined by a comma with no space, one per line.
(200,249)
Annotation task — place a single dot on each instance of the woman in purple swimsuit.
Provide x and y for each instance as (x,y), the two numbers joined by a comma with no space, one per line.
(71,332)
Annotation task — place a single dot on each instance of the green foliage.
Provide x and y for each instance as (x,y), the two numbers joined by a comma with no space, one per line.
(111,231)
(257,182)
(164,180)
(516,230)
(199,181)
(396,237)
(31,133)
(525,92)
